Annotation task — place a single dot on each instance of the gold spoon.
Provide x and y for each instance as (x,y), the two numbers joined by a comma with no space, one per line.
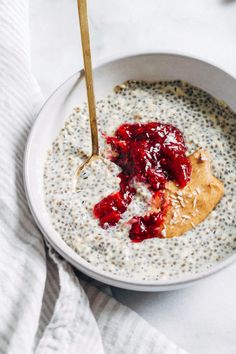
(84,30)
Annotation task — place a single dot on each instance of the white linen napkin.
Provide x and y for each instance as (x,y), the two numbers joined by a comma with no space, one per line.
(44,307)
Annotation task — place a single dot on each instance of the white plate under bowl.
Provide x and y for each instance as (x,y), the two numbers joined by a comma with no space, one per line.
(150,67)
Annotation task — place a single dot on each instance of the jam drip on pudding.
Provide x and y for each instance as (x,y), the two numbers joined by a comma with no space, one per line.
(151,153)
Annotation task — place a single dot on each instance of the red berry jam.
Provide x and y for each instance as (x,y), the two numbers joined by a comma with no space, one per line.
(151,153)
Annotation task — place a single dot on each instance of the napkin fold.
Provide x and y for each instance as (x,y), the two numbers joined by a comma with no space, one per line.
(44,306)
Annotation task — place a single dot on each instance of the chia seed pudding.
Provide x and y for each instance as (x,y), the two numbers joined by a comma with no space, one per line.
(205,122)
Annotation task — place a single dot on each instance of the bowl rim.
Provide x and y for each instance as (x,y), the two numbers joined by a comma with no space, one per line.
(83,265)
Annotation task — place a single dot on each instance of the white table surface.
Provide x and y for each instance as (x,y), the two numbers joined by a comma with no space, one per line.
(202,318)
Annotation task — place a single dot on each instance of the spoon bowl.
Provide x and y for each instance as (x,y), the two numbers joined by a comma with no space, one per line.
(141,66)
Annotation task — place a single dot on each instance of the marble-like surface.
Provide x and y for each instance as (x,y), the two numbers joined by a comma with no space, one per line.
(202,318)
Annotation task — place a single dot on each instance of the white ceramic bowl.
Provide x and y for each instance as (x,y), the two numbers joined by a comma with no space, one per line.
(150,67)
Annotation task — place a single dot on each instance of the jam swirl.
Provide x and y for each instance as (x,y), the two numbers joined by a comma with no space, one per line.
(152,153)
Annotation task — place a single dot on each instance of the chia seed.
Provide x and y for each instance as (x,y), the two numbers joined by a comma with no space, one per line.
(205,122)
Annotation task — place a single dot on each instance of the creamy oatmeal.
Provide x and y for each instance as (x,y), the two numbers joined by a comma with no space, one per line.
(205,122)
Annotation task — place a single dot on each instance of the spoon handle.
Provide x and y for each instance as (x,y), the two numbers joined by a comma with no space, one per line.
(84,30)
